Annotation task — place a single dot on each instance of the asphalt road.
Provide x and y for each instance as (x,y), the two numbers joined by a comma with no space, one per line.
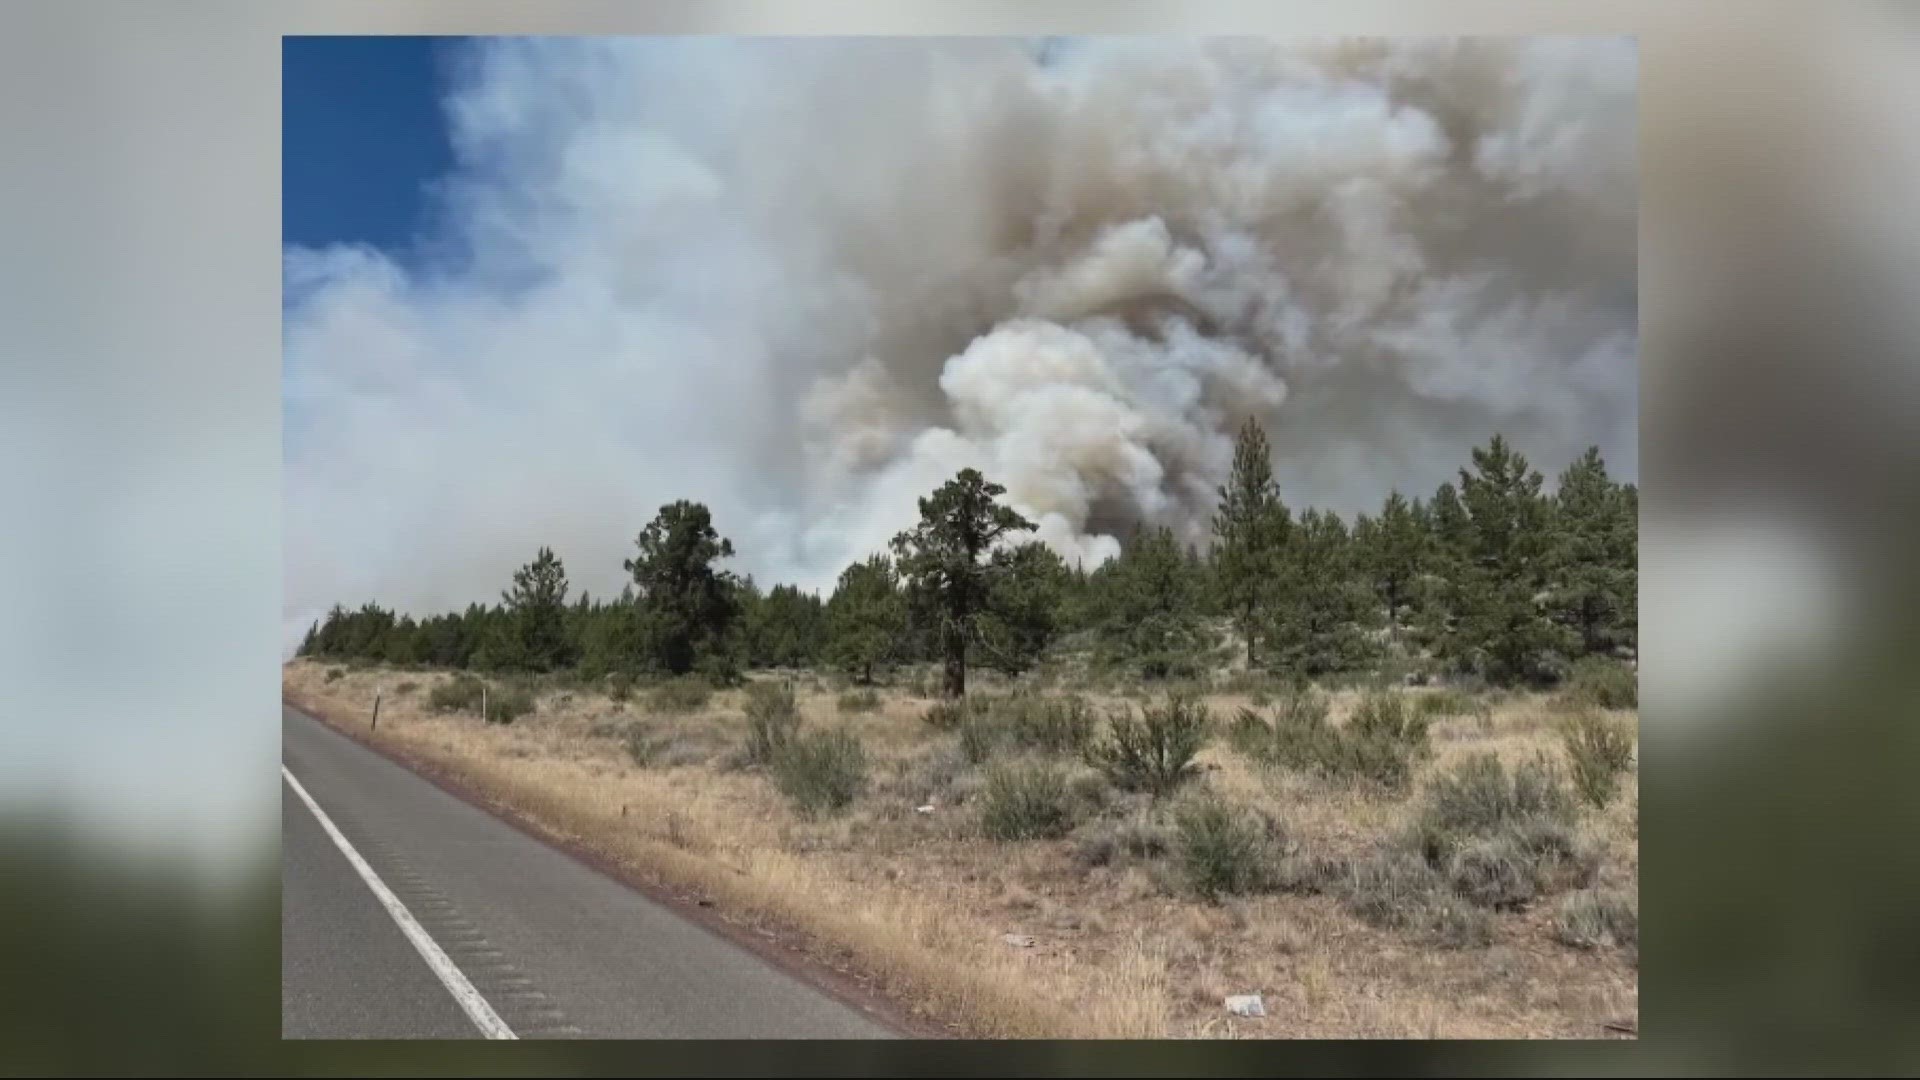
(548,946)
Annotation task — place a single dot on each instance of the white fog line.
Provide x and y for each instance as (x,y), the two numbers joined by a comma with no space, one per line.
(463,992)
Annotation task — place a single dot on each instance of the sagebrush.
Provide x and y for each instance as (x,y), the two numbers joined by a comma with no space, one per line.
(1223,849)
(1599,683)
(1599,749)
(858,701)
(686,694)
(466,693)
(1594,918)
(773,721)
(1025,802)
(821,772)
(1152,749)
(1380,743)
(1501,837)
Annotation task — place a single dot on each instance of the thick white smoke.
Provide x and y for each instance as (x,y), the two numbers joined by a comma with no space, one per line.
(805,281)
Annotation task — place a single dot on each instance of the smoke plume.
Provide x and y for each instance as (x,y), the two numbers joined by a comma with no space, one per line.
(805,281)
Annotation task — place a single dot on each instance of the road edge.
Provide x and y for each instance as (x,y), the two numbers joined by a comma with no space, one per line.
(787,952)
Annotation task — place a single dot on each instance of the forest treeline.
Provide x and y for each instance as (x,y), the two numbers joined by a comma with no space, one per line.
(1488,577)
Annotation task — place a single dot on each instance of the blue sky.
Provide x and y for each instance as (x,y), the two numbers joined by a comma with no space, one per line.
(363,135)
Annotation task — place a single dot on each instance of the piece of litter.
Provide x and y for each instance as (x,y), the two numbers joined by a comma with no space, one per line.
(927,809)
(1018,941)
(1245,1005)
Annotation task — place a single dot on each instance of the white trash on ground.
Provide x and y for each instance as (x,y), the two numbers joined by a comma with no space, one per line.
(1245,1005)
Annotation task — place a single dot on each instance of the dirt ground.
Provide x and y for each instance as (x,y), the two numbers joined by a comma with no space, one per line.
(920,902)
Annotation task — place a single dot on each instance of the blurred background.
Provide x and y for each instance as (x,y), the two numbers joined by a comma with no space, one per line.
(140,486)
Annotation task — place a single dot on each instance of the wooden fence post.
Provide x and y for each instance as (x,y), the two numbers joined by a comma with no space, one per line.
(376,710)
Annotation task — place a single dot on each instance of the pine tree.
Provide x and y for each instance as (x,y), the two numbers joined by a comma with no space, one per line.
(945,562)
(332,632)
(687,606)
(1023,612)
(1445,518)
(1077,599)
(496,641)
(579,618)
(1319,624)
(1501,626)
(1448,524)
(1150,607)
(440,641)
(866,617)
(400,644)
(1596,560)
(474,631)
(1626,536)
(536,631)
(614,639)
(784,628)
(1392,554)
(362,635)
(1250,532)
(748,601)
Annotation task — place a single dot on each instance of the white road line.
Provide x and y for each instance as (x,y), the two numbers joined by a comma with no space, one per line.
(469,999)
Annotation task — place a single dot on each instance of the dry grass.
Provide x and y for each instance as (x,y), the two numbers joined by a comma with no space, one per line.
(918,902)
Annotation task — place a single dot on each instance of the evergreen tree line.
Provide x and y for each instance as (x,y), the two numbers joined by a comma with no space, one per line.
(1488,576)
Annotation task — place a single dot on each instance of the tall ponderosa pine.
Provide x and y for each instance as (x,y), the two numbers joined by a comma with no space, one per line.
(784,628)
(1150,607)
(440,641)
(1627,536)
(332,637)
(1077,599)
(752,637)
(1319,624)
(1597,560)
(613,640)
(1023,612)
(402,643)
(866,617)
(1445,518)
(369,631)
(948,563)
(535,636)
(1501,621)
(1250,531)
(687,606)
(1392,554)
(579,621)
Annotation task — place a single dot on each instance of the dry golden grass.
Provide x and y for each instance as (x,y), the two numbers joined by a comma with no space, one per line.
(918,903)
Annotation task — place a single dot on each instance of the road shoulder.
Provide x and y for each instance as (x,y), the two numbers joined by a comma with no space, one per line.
(787,951)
